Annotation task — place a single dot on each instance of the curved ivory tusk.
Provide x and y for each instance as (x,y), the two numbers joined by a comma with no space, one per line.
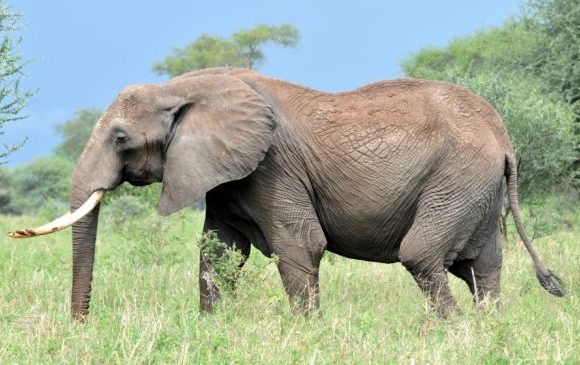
(64,221)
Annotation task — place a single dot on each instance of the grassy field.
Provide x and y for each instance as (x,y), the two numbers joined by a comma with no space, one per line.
(145,300)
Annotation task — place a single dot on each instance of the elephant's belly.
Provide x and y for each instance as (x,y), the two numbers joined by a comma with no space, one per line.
(366,212)
(369,236)
(366,251)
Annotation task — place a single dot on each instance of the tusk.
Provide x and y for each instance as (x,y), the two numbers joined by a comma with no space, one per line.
(64,221)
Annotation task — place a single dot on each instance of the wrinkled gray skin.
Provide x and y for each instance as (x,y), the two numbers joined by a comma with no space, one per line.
(403,171)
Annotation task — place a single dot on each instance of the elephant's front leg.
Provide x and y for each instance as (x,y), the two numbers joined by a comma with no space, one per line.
(299,247)
(209,292)
(299,272)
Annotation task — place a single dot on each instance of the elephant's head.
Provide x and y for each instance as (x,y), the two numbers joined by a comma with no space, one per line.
(192,133)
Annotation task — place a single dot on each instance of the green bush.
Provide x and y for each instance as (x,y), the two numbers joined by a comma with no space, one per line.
(7,194)
(45,181)
(510,47)
(225,261)
(528,69)
(541,131)
(123,209)
(500,64)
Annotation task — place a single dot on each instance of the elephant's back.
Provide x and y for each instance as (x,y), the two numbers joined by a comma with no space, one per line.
(389,118)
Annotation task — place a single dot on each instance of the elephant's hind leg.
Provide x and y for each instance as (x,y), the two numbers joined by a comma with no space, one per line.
(482,274)
(483,281)
(424,261)
(430,246)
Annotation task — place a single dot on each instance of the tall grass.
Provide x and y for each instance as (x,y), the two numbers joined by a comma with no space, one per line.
(145,305)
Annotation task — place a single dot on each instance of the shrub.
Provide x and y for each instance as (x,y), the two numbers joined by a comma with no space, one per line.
(44,181)
(225,261)
(541,131)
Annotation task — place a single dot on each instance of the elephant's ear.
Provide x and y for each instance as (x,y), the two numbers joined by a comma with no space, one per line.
(221,131)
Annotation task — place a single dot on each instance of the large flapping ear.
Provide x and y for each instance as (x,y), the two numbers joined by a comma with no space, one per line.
(222,131)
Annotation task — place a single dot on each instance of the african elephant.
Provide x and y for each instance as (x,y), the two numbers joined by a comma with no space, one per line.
(407,171)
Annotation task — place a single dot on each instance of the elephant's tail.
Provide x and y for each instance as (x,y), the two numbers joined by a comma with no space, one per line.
(549,280)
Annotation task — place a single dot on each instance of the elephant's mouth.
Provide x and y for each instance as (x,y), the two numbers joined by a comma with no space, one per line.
(139,182)
(140,178)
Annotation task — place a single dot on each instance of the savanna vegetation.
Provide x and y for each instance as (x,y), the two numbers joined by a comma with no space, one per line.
(12,97)
(145,295)
(145,300)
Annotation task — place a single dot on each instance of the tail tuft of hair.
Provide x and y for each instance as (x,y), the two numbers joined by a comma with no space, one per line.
(552,283)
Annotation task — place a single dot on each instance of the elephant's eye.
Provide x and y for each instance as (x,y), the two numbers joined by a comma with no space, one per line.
(120,137)
(171,110)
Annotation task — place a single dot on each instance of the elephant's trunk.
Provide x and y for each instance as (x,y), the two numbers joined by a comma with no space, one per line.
(84,234)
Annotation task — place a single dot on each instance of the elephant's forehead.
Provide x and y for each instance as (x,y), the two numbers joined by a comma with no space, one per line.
(135,98)
(132,103)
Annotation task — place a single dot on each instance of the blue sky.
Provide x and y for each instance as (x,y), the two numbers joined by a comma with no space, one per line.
(81,54)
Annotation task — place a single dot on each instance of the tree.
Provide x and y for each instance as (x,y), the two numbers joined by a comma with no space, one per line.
(250,41)
(507,50)
(76,132)
(6,193)
(242,49)
(557,58)
(12,98)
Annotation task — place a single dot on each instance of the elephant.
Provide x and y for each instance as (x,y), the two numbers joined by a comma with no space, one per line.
(410,171)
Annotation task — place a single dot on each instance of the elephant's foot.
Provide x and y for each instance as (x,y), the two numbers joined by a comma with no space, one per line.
(485,290)
(483,281)
(306,303)
(436,287)
(302,289)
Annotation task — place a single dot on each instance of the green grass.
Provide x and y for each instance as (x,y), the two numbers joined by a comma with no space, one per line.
(145,305)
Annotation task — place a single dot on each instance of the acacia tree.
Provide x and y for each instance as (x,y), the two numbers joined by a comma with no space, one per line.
(12,98)
(242,49)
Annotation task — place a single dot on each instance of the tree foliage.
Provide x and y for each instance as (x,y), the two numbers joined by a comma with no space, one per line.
(507,49)
(542,46)
(6,194)
(242,49)
(556,23)
(12,98)
(541,129)
(250,41)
